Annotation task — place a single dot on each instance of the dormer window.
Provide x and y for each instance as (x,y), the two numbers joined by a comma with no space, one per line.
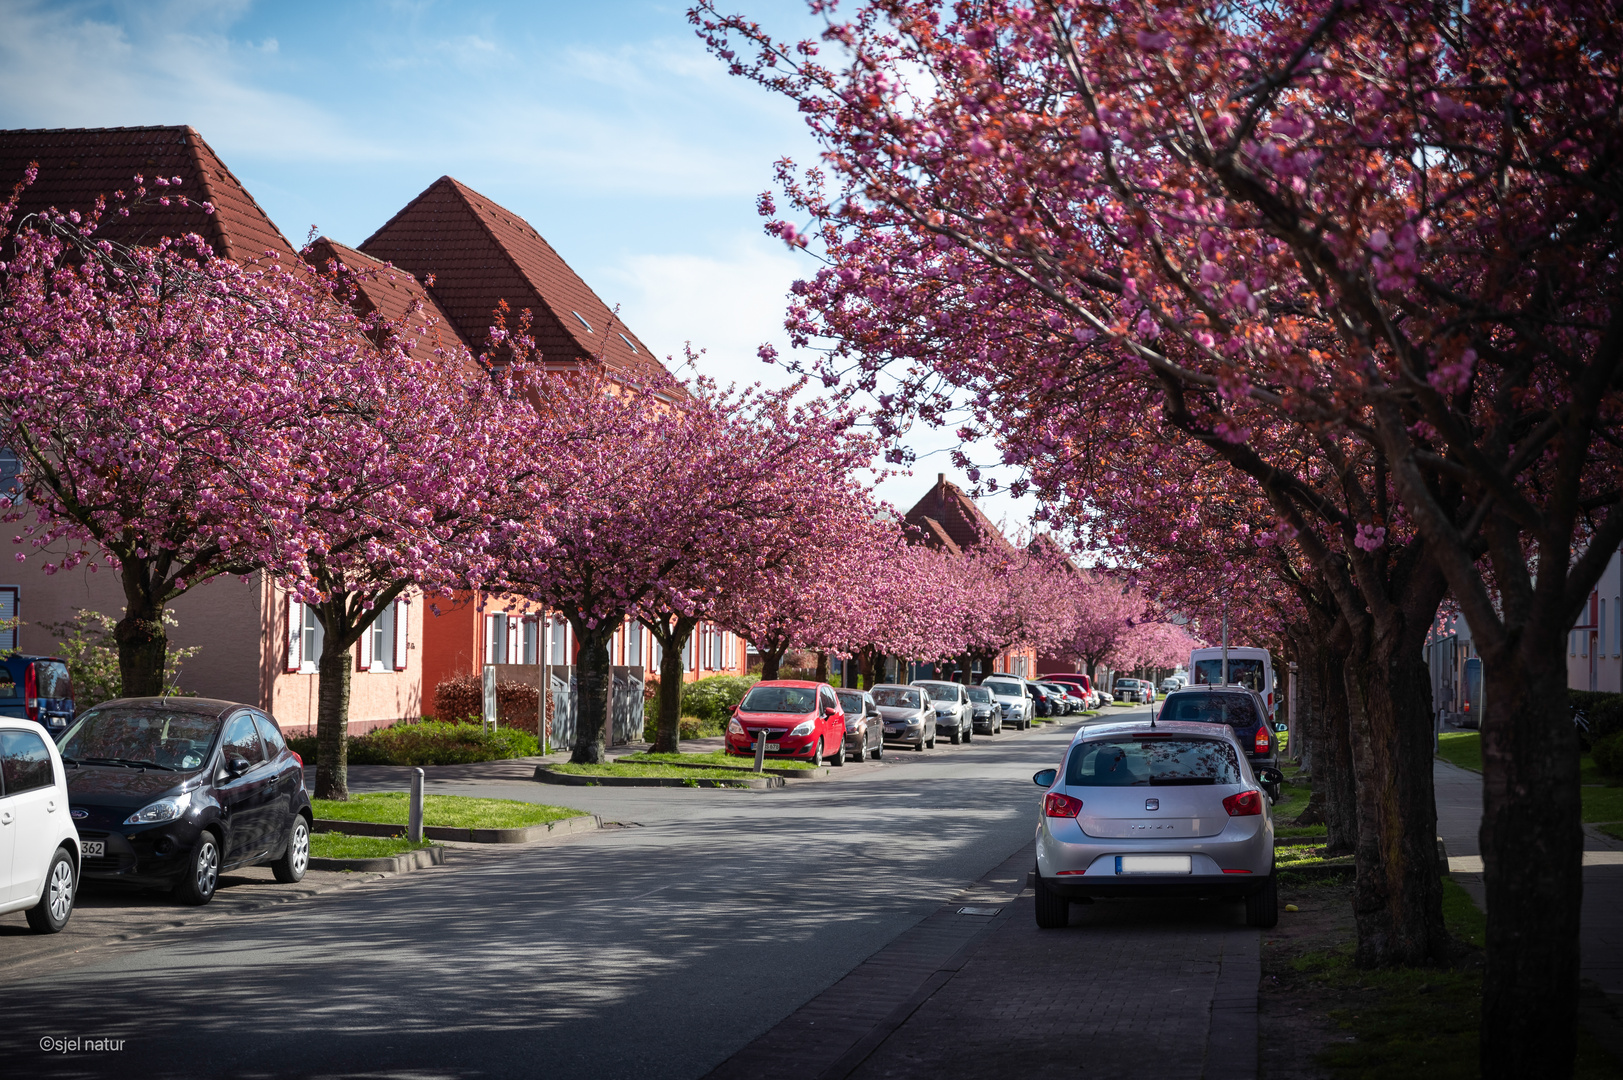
(628,342)
(583,322)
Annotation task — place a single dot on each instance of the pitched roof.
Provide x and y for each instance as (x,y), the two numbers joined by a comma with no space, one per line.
(392,292)
(480,254)
(935,535)
(1044,545)
(947,508)
(78,164)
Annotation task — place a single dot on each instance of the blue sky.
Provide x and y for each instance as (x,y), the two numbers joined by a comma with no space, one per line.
(604,124)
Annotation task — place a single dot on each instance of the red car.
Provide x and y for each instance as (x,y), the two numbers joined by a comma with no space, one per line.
(801,720)
(1083,684)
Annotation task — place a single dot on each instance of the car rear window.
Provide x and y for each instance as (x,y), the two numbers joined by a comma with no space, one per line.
(1128,761)
(53,679)
(1006,689)
(1235,710)
(1246,673)
(980,694)
(851,703)
(780,699)
(899,699)
(8,685)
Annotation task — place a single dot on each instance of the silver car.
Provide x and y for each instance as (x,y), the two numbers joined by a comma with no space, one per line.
(953,713)
(987,713)
(909,717)
(1014,700)
(1172,809)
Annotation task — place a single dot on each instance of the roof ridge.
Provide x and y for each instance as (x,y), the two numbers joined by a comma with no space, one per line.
(204,155)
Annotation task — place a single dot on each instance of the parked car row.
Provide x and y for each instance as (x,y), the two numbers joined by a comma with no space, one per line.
(157,791)
(812,721)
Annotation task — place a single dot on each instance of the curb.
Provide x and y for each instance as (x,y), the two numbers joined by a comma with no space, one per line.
(403,863)
(547,776)
(787,774)
(579,823)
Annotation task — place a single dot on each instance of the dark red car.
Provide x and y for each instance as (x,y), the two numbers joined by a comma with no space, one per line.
(1083,684)
(801,720)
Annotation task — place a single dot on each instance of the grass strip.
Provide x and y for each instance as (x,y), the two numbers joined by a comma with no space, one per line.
(1419,1023)
(1602,803)
(718,758)
(448,811)
(1613,830)
(1462,748)
(331,845)
(1300,832)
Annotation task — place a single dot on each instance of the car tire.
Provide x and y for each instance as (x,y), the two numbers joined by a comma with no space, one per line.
(969,731)
(55,905)
(1053,910)
(817,755)
(920,746)
(932,740)
(861,753)
(201,877)
(1262,906)
(837,758)
(296,859)
(956,737)
(879,751)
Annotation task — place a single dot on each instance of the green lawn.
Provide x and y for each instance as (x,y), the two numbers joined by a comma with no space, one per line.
(450,811)
(1613,830)
(1292,801)
(1602,803)
(1300,832)
(331,845)
(670,772)
(1462,748)
(717,758)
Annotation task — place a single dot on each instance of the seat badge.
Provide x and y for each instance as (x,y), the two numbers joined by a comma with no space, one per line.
(1152,804)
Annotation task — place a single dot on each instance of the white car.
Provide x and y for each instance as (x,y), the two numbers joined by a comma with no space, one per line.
(39,847)
(1014,699)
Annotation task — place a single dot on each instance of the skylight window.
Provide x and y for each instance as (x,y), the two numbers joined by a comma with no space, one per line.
(583,322)
(628,342)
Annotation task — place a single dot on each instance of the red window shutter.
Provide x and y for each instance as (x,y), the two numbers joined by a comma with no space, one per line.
(295,634)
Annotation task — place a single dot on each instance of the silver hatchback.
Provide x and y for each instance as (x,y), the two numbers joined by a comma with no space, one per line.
(1171,809)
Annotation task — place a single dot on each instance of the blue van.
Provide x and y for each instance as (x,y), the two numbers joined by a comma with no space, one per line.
(36,688)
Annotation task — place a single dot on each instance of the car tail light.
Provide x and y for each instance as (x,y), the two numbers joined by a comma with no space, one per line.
(1057,805)
(1467,706)
(1261,741)
(296,757)
(31,693)
(1245,804)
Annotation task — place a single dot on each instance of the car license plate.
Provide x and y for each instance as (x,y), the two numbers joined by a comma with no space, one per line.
(771,746)
(1153,864)
(94,849)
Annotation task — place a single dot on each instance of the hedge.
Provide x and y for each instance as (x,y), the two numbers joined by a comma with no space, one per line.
(714,698)
(462,700)
(1605,712)
(428,743)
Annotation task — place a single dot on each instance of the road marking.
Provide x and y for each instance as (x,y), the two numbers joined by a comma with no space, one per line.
(979,909)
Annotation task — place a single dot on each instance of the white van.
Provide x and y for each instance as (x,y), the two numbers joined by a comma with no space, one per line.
(1248,667)
(39,845)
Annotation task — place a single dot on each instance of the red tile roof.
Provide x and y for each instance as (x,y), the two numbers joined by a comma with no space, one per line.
(947,508)
(78,164)
(392,292)
(480,254)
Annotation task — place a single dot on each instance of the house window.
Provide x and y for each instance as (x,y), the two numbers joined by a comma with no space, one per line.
(687,653)
(496,638)
(528,630)
(560,641)
(9,595)
(313,640)
(382,633)
(1601,624)
(634,644)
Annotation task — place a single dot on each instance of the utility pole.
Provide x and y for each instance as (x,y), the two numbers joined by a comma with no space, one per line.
(1225,637)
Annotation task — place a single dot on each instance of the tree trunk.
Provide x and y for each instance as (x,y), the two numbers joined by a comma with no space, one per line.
(822,667)
(1398,902)
(594,682)
(143,643)
(671,670)
(770,659)
(1532,848)
(1322,705)
(332,719)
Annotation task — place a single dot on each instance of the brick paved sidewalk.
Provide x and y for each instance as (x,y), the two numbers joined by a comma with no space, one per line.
(1130,989)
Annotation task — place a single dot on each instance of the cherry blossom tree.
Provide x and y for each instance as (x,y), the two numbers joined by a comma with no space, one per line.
(156,397)
(1383,226)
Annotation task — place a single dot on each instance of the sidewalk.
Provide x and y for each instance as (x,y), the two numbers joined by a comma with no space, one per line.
(1165,989)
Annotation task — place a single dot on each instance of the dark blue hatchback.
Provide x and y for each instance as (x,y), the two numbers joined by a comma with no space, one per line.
(36,688)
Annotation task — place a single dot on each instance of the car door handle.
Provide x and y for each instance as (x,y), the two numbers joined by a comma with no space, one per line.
(5,817)
(50,806)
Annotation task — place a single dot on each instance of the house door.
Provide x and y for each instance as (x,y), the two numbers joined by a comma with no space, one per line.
(1594,647)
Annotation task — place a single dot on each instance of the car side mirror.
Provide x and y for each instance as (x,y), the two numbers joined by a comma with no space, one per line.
(236,766)
(1271,776)
(1045,777)
(1282,727)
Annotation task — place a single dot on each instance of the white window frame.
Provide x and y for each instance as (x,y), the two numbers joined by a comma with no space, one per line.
(381,639)
(10,605)
(312,636)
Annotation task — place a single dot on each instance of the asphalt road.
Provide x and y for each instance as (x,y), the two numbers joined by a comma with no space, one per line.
(656,949)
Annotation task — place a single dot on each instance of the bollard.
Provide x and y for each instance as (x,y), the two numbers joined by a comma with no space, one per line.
(415,820)
(760,749)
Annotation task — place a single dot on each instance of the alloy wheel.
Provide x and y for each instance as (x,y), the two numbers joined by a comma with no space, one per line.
(207,868)
(60,891)
(301,847)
